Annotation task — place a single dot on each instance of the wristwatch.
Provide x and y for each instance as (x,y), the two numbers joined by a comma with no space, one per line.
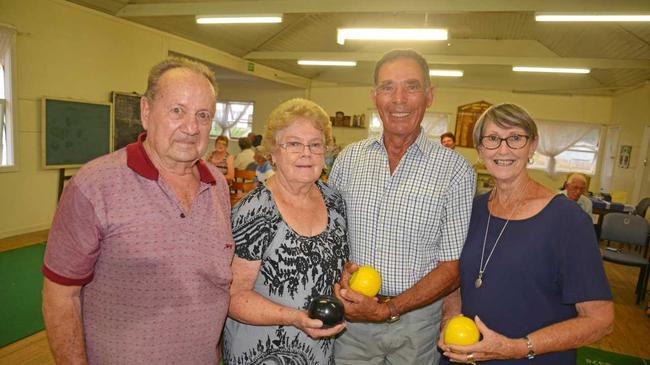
(529,344)
(394,314)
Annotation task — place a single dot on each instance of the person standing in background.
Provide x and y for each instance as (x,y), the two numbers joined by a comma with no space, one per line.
(448,140)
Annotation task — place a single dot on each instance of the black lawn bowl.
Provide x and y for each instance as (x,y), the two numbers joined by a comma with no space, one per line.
(326,308)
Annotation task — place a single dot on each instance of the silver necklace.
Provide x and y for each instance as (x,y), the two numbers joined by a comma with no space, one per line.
(482,266)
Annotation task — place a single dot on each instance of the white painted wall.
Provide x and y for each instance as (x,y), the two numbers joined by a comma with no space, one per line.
(632,111)
(67,51)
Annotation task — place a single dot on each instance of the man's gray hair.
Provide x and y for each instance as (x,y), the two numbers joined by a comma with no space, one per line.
(411,54)
(158,70)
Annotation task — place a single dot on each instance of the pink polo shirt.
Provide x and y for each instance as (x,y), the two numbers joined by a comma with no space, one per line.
(155,280)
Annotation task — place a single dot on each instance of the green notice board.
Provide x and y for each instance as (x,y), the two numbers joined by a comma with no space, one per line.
(74,132)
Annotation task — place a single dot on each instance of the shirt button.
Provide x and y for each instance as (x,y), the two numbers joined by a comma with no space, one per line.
(182,215)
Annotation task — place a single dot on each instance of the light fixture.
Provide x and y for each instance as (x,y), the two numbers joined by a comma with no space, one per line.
(327,63)
(391,34)
(239,19)
(592,18)
(446,73)
(551,69)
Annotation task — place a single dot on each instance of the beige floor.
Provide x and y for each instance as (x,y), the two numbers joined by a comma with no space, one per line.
(631,334)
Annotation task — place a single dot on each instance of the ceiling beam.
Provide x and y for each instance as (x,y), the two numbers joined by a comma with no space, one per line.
(592,63)
(378,6)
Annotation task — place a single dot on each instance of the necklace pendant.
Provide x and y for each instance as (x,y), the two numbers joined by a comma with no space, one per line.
(479,281)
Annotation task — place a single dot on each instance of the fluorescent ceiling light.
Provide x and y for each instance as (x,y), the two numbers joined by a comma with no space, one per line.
(551,69)
(448,73)
(327,63)
(591,18)
(239,19)
(391,34)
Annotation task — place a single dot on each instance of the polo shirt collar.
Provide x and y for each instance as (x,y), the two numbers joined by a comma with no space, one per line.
(138,161)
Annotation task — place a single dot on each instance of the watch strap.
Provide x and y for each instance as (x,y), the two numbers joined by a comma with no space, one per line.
(394,314)
(529,344)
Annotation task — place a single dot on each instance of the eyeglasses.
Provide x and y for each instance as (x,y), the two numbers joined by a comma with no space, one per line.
(515,142)
(317,148)
(389,88)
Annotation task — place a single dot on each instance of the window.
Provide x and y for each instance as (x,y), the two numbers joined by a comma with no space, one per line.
(7,49)
(573,145)
(434,125)
(233,119)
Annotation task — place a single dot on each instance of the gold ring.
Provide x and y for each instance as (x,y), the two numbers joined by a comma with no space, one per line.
(469,358)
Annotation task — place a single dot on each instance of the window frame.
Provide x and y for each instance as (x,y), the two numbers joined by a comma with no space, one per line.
(252,119)
(11,103)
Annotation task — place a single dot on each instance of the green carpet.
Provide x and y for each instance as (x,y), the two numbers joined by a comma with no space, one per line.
(592,356)
(21,282)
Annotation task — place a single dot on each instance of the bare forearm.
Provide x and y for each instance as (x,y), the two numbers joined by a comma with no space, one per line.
(65,334)
(441,281)
(451,305)
(573,333)
(252,308)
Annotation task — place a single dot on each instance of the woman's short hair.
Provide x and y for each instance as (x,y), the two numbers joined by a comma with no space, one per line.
(287,112)
(222,138)
(505,116)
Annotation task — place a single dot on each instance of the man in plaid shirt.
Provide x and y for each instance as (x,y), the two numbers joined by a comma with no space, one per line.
(408,201)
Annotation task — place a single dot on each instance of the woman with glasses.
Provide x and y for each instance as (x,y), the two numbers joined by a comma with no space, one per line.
(531,273)
(291,243)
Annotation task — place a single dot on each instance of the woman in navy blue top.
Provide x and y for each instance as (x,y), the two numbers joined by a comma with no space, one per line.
(531,273)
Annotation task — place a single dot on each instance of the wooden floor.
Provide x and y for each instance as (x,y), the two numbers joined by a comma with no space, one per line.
(631,334)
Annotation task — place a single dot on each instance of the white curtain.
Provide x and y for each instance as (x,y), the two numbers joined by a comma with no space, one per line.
(556,137)
(227,117)
(7,38)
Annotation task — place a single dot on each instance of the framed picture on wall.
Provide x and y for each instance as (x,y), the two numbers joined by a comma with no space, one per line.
(466,117)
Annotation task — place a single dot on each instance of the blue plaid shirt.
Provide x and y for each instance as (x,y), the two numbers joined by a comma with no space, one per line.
(404,224)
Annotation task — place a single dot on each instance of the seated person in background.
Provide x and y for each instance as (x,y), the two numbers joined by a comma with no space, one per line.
(222,159)
(575,188)
(448,140)
(256,139)
(264,169)
(331,154)
(244,159)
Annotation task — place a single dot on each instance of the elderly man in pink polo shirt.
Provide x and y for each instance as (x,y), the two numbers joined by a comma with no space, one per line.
(137,265)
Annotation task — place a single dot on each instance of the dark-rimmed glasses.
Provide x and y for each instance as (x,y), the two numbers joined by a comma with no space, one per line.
(317,148)
(515,142)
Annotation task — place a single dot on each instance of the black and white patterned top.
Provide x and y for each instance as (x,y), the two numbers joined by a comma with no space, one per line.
(293,270)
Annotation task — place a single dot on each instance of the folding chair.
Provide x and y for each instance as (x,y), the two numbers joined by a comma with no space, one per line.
(632,230)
